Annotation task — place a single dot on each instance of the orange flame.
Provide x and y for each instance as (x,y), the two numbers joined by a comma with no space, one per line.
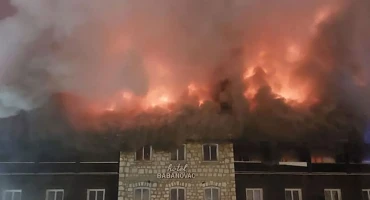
(277,64)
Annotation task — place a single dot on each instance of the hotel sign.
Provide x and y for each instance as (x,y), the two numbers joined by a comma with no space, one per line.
(176,172)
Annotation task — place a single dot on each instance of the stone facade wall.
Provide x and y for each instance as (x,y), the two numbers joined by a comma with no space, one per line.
(219,174)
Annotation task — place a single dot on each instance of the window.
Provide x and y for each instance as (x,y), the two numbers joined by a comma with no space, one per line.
(177,194)
(293,194)
(144,153)
(178,154)
(322,159)
(254,194)
(332,194)
(54,194)
(210,152)
(289,157)
(141,194)
(366,194)
(95,194)
(211,194)
(12,194)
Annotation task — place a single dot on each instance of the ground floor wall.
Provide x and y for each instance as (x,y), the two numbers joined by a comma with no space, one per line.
(75,186)
(194,190)
(312,186)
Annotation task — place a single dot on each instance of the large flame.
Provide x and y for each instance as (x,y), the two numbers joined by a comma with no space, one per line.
(276,63)
(268,65)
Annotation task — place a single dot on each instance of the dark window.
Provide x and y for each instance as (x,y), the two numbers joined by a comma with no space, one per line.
(141,194)
(266,151)
(12,195)
(54,194)
(366,194)
(210,152)
(254,194)
(177,194)
(293,194)
(178,154)
(332,194)
(95,194)
(211,194)
(144,153)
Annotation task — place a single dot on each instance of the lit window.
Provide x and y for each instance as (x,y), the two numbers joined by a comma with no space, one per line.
(366,194)
(211,194)
(178,154)
(95,194)
(290,156)
(322,158)
(210,152)
(293,194)
(141,194)
(254,194)
(177,194)
(144,153)
(12,194)
(54,194)
(332,194)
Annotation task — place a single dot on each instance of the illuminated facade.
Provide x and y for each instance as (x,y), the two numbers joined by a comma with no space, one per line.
(193,171)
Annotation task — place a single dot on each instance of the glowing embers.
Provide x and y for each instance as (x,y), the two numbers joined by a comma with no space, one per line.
(197,92)
(274,68)
(158,97)
(257,78)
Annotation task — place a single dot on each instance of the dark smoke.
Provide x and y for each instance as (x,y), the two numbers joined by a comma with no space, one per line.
(214,44)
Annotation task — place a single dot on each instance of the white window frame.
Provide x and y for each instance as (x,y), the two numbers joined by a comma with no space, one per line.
(254,189)
(141,188)
(177,154)
(291,190)
(54,190)
(142,156)
(334,190)
(95,190)
(11,191)
(210,156)
(218,191)
(367,191)
(177,188)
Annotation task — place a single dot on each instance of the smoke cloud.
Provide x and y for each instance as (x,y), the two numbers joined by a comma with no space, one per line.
(294,68)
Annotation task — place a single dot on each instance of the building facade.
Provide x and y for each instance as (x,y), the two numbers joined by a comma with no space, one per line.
(193,171)
(60,179)
(290,172)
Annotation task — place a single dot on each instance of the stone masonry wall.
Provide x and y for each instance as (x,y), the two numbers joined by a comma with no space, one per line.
(218,174)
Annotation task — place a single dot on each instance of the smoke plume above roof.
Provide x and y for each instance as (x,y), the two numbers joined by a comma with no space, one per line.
(293,67)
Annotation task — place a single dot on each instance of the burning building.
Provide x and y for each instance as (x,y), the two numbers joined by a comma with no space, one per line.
(136,73)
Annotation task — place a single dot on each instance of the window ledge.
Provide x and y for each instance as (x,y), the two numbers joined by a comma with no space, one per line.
(143,161)
(178,161)
(298,164)
(210,161)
